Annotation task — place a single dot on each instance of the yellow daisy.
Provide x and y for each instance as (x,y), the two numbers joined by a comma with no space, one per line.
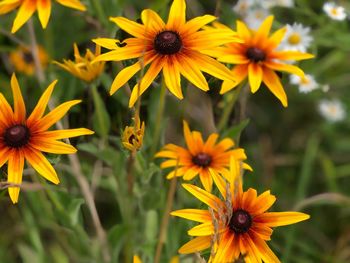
(23,61)
(258,58)
(82,67)
(199,157)
(174,47)
(132,137)
(23,138)
(235,227)
(28,7)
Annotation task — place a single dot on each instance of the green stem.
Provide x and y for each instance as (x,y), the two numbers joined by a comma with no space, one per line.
(159,118)
(99,11)
(232,99)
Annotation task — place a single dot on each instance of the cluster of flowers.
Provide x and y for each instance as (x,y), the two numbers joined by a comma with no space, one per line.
(237,223)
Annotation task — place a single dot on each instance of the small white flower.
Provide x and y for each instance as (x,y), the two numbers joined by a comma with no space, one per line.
(255,17)
(332,110)
(242,7)
(297,38)
(334,11)
(306,84)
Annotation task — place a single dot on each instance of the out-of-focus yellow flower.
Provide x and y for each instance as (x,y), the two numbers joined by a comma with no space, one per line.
(23,61)
(28,7)
(82,67)
(174,259)
(133,135)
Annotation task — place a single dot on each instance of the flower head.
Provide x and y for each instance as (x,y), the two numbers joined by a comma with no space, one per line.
(305,84)
(23,61)
(332,110)
(132,137)
(257,59)
(237,226)
(28,7)
(200,158)
(82,67)
(297,38)
(23,138)
(174,47)
(334,11)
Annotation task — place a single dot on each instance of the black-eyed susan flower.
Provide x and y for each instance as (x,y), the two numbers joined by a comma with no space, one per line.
(132,137)
(199,157)
(23,61)
(82,67)
(28,7)
(258,58)
(174,47)
(23,138)
(235,226)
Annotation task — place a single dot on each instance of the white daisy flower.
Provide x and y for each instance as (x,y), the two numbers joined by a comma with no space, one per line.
(242,7)
(255,17)
(334,11)
(306,84)
(332,110)
(297,38)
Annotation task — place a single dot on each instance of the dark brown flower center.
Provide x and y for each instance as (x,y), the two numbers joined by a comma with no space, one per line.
(255,54)
(240,221)
(16,136)
(167,43)
(202,159)
(27,57)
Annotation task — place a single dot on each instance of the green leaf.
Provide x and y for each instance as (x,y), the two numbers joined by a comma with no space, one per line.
(101,120)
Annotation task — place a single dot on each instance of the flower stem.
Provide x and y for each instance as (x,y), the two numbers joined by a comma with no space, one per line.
(232,99)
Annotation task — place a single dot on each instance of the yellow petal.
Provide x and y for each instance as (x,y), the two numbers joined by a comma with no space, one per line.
(24,13)
(265,252)
(263,203)
(243,31)
(276,38)
(7,117)
(19,107)
(8,5)
(39,109)
(234,59)
(44,11)
(219,182)
(69,133)
(195,245)
(204,196)
(108,43)
(76,4)
(255,74)
(193,214)
(195,24)
(40,164)
(152,21)
(285,67)
(290,55)
(177,15)
(206,180)
(239,73)
(136,259)
(273,83)
(52,146)
(146,81)
(131,27)
(205,229)
(264,30)
(122,53)
(171,75)
(15,171)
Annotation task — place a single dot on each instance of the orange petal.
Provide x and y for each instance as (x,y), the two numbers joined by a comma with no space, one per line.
(265,252)
(19,107)
(264,30)
(243,31)
(255,74)
(191,173)
(274,219)
(204,196)
(39,109)
(40,164)
(273,83)
(262,203)
(44,11)
(225,248)
(171,75)
(239,73)
(177,15)
(7,117)
(195,245)
(15,171)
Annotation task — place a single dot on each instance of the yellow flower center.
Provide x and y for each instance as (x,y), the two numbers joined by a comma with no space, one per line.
(294,39)
(305,81)
(334,11)
(167,43)
(16,136)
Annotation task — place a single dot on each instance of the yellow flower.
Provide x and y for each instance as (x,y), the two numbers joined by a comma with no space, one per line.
(235,227)
(258,58)
(82,67)
(174,259)
(28,7)
(200,158)
(23,138)
(174,47)
(23,61)
(132,138)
